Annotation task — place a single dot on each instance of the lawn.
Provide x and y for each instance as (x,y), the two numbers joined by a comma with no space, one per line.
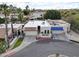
(18,43)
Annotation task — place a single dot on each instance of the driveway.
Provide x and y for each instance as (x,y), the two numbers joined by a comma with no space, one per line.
(46,48)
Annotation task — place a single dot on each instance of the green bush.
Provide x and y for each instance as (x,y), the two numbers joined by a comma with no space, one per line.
(26,12)
(2,20)
(52,14)
(2,46)
(75,23)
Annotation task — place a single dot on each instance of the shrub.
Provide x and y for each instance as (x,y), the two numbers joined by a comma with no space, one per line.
(2,20)
(2,46)
(52,14)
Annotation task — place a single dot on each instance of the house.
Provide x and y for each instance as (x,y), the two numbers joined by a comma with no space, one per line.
(45,29)
(59,26)
(37,28)
(15,15)
(16,27)
(37,14)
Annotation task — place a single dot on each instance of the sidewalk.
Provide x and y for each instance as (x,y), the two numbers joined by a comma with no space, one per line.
(26,42)
(74,36)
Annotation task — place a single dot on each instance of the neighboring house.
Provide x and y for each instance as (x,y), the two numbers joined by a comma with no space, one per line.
(37,14)
(2,30)
(15,15)
(2,16)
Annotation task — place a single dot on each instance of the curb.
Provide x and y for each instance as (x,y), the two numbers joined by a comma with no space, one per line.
(74,41)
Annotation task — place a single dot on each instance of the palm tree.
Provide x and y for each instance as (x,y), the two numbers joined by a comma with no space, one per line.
(20,16)
(12,11)
(27,7)
(4,9)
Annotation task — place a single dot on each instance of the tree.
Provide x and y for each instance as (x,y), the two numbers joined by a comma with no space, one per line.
(19,10)
(20,17)
(65,13)
(74,21)
(52,14)
(2,20)
(27,7)
(33,10)
(11,8)
(26,11)
(20,14)
(4,9)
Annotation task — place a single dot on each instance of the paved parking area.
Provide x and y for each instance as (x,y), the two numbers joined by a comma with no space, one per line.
(46,48)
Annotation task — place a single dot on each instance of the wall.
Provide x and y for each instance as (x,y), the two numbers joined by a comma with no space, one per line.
(43,29)
(30,33)
(66,28)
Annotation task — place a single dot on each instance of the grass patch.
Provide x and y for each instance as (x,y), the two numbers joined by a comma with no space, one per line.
(18,43)
(2,46)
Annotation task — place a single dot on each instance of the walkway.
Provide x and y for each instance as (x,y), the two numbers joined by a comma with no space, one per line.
(74,36)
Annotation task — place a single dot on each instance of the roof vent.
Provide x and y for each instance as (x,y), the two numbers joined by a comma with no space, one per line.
(43,23)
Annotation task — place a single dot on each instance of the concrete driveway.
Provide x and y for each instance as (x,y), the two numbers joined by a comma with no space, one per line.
(46,48)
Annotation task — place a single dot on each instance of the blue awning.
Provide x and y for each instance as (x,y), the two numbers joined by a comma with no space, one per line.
(57,28)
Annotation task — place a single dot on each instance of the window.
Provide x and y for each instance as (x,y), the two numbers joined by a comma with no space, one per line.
(47,31)
(42,33)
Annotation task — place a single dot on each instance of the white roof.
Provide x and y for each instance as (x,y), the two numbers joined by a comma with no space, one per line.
(58,22)
(9,25)
(35,23)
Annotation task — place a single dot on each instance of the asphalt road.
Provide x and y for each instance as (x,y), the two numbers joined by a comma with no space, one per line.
(45,48)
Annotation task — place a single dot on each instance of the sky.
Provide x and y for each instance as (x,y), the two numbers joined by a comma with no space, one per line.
(44,4)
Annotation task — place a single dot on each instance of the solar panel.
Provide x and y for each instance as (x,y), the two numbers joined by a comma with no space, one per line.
(57,28)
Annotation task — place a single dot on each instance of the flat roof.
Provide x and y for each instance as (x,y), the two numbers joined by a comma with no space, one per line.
(35,23)
(2,29)
(9,25)
(57,22)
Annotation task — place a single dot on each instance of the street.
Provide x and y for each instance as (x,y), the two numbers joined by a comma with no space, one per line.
(43,49)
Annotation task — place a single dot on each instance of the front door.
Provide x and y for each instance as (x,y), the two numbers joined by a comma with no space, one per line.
(38,28)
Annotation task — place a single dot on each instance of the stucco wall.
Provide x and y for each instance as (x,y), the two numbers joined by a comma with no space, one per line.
(30,33)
